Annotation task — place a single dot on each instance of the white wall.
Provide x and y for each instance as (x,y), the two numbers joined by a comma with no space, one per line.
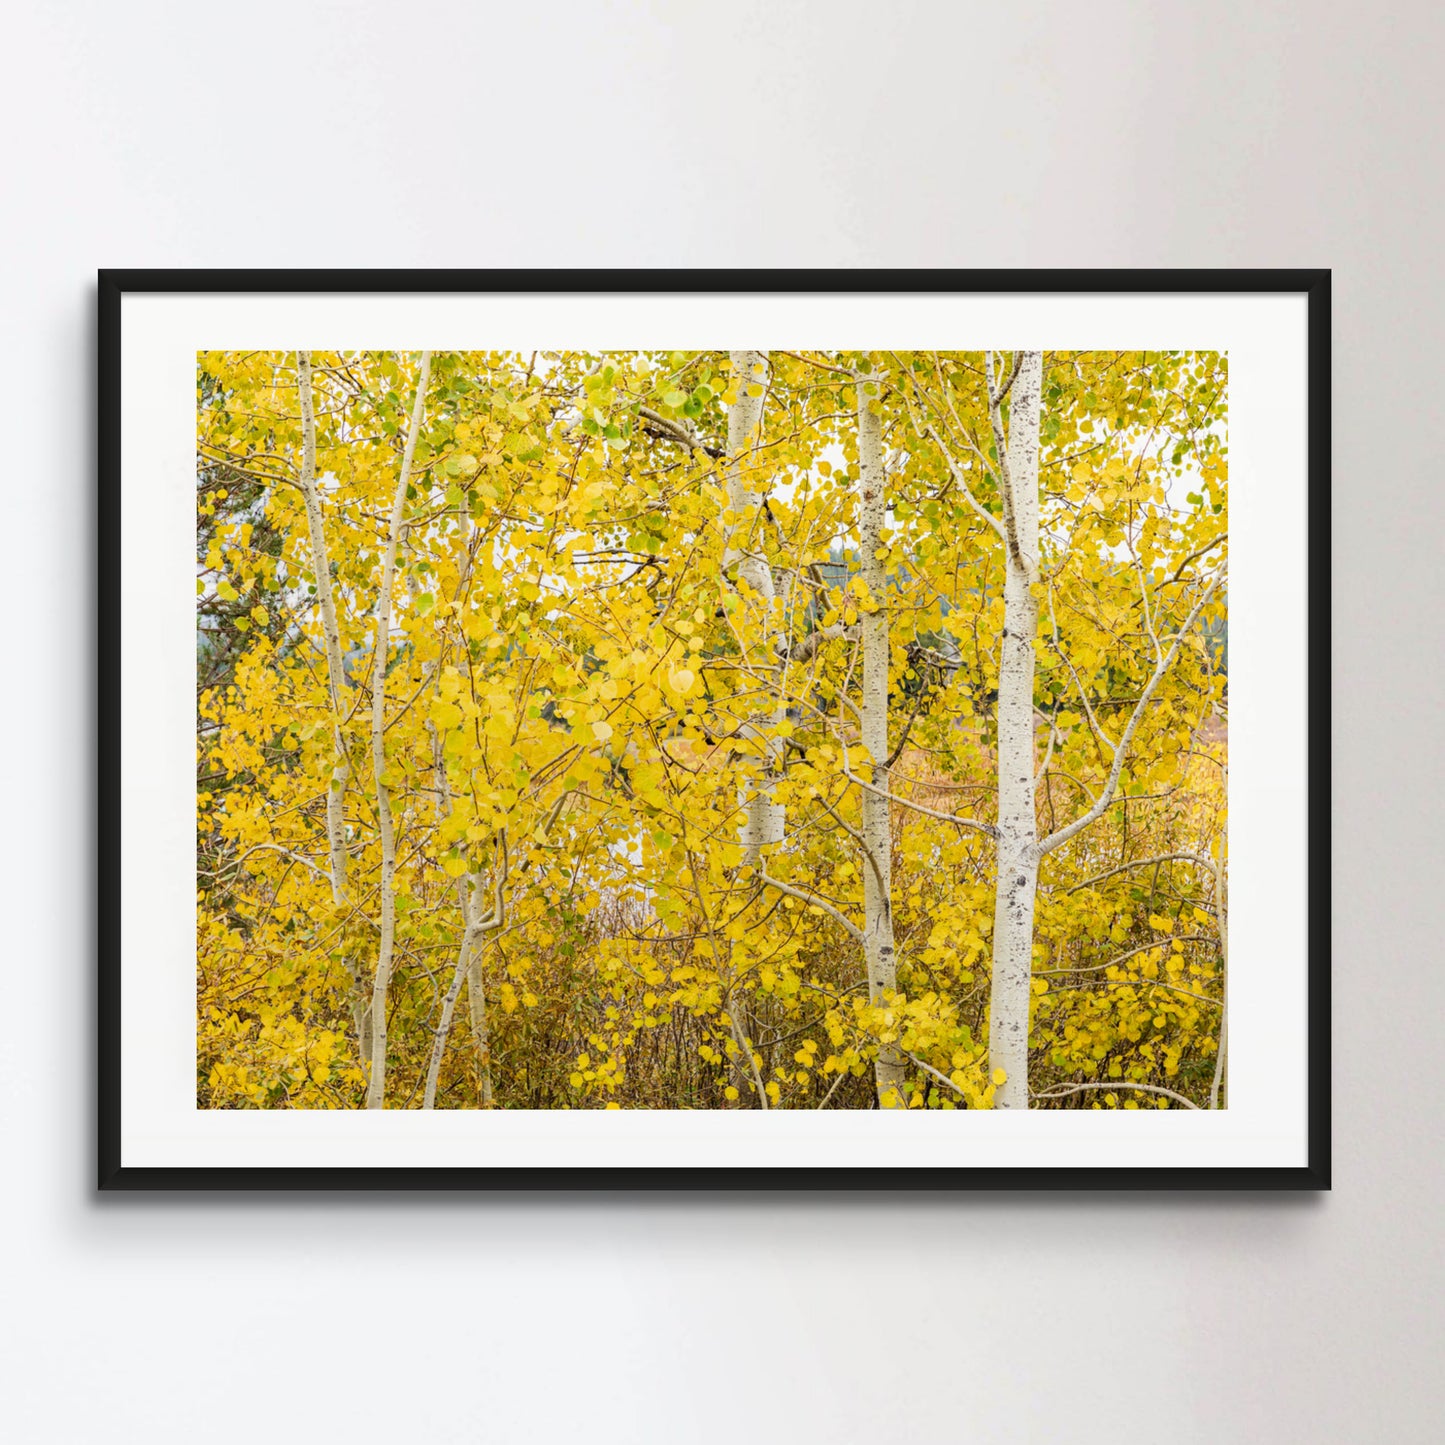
(457,133)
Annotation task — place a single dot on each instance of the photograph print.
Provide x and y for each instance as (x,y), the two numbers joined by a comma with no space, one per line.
(712,730)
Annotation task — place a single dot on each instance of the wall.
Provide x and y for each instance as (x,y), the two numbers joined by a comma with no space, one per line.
(1021,134)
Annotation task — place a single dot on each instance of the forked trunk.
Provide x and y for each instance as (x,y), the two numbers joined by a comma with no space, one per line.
(335,681)
(376,1078)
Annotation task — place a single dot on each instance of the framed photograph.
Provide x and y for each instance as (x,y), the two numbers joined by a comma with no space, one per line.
(714,730)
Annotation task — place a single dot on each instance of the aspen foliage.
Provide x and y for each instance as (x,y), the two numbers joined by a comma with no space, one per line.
(608,638)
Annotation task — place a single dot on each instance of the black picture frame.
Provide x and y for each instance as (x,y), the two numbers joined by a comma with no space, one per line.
(114,1175)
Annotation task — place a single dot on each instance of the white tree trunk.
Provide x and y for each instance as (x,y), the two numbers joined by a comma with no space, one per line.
(469,960)
(481,1034)
(335,682)
(745,559)
(321,566)
(376,1081)
(1221,908)
(878,950)
(1018,850)
(449,1003)
(469,954)
(475,928)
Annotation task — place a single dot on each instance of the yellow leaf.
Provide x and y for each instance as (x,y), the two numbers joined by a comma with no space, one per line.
(1000,1075)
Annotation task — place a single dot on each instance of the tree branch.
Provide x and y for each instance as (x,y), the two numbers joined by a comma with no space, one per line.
(853,930)
(929,1069)
(1121,751)
(805,647)
(987,829)
(1195,556)
(1012,376)
(671,430)
(1116,1084)
(1141,863)
(960,481)
(1119,959)
(995,417)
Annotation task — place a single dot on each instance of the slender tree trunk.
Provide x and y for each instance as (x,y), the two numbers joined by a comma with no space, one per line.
(469,959)
(745,560)
(335,682)
(321,565)
(481,1034)
(469,964)
(1018,840)
(468,968)
(744,557)
(376,1081)
(449,1003)
(878,951)
(1221,907)
(470,953)
(475,930)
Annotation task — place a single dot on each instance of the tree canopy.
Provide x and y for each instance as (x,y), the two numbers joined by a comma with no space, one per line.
(691,729)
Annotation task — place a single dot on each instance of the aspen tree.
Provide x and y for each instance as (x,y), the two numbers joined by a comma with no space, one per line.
(745,560)
(878,948)
(1016,885)
(376,1080)
(335,682)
